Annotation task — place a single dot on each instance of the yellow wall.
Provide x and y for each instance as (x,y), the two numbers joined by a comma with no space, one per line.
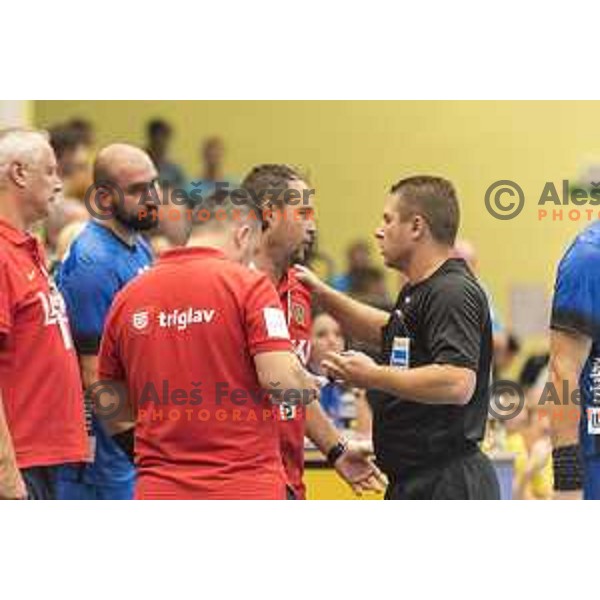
(355,150)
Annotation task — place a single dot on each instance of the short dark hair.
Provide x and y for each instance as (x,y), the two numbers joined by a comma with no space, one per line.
(64,139)
(158,127)
(271,178)
(435,199)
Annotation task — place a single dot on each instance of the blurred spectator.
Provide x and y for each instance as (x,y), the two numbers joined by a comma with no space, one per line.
(505,355)
(465,250)
(368,285)
(61,213)
(212,158)
(533,473)
(74,160)
(159,135)
(173,224)
(358,257)
(84,129)
(345,407)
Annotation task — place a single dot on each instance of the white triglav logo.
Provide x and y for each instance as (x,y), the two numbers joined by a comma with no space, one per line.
(140,320)
(182,318)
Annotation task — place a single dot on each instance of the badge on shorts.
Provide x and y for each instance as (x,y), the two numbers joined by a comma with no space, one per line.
(593,420)
(287,412)
(400,356)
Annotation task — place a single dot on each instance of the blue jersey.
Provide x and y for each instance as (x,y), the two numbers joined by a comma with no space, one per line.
(576,308)
(97,265)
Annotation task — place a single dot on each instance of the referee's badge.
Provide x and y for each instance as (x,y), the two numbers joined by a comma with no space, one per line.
(400,356)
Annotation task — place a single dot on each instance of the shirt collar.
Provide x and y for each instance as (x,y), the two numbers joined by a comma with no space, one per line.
(14,235)
(135,238)
(192,252)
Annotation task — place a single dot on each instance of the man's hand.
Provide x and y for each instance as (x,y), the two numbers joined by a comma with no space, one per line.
(356,467)
(308,278)
(12,486)
(352,368)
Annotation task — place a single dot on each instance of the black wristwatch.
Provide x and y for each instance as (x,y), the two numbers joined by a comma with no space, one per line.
(336,451)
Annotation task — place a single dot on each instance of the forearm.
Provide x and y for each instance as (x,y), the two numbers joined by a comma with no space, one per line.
(432,384)
(89,369)
(358,320)
(364,418)
(284,377)
(564,416)
(9,470)
(319,429)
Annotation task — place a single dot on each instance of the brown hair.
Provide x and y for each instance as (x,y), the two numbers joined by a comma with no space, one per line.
(435,199)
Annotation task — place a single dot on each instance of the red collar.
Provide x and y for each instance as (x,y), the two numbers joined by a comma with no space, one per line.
(192,252)
(13,235)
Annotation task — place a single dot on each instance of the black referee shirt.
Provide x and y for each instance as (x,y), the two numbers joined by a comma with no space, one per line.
(444,319)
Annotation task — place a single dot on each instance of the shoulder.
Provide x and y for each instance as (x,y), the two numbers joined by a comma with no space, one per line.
(584,248)
(90,250)
(457,283)
(299,291)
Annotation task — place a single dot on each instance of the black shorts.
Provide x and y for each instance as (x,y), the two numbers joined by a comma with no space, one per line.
(40,482)
(467,477)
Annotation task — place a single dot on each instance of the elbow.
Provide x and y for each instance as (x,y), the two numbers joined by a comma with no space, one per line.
(462,387)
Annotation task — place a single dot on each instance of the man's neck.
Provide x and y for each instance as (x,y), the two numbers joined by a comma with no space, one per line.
(425,263)
(207,240)
(124,233)
(10,214)
(212,173)
(267,263)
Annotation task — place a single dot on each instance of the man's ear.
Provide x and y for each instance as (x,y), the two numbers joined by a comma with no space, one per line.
(17,173)
(419,226)
(270,213)
(242,235)
(103,197)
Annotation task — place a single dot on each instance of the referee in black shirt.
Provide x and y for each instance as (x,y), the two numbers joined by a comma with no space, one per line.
(431,400)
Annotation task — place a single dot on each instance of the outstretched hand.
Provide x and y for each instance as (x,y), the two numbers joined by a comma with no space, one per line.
(356,467)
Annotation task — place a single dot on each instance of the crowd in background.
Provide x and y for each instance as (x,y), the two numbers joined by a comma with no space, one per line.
(526,436)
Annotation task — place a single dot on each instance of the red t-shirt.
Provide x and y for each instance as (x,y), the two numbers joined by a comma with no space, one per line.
(295,300)
(183,336)
(39,373)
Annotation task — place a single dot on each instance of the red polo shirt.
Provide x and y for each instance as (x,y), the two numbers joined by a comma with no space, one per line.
(39,372)
(295,300)
(183,337)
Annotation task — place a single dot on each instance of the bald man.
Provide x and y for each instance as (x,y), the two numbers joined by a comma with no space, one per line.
(42,424)
(105,256)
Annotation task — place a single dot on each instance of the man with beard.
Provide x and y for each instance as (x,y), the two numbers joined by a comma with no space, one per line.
(107,254)
(289,232)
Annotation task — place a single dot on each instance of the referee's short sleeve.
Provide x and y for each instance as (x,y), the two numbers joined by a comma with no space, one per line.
(454,323)
(576,301)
